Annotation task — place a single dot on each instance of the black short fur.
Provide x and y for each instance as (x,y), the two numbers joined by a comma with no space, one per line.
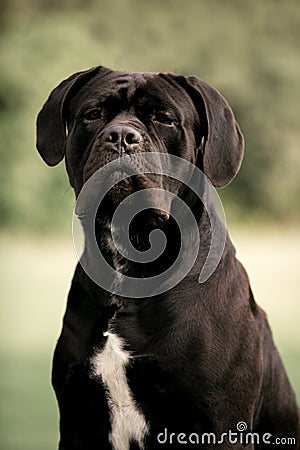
(205,357)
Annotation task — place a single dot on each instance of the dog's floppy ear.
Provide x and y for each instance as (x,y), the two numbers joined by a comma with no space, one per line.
(51,123)
(223,146)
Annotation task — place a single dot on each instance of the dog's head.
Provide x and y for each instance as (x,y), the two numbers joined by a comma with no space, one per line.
(98,115)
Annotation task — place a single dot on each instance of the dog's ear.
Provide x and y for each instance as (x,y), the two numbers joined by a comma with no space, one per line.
(223,146)
(51,121)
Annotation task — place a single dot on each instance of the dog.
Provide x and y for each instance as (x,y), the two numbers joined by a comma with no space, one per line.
(187,365)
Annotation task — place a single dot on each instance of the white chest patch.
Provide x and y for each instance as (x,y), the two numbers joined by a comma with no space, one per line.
(127,422)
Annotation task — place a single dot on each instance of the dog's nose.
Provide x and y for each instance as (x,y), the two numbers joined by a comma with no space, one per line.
(122,137)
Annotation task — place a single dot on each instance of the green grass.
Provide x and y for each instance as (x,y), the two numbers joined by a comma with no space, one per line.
(29,417)
(36,273)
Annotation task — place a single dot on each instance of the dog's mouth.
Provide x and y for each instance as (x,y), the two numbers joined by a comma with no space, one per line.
(135,209)
(149,206)
(136,221)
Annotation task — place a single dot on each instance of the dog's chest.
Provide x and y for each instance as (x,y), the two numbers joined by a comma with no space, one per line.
(127,422)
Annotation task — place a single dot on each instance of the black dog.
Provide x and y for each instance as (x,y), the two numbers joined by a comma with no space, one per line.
(182,367)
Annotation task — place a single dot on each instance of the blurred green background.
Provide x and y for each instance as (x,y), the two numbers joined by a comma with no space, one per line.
(250,51)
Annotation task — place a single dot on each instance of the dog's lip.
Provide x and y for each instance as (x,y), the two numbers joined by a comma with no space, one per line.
(127,182)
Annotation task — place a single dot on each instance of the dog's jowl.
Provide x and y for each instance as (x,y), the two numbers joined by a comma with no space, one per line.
(192,363)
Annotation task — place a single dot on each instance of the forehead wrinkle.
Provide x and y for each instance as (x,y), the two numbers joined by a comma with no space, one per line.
(126,85)
(137,80)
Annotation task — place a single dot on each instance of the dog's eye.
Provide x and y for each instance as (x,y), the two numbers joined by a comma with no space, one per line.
(93,114)
(164,118)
